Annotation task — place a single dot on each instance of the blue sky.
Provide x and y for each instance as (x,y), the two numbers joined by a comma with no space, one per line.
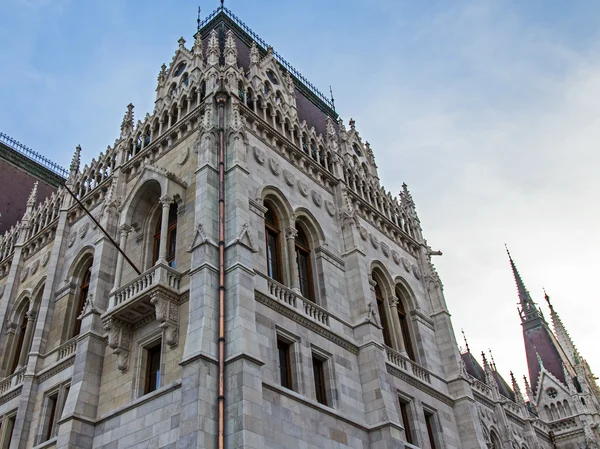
(489,110)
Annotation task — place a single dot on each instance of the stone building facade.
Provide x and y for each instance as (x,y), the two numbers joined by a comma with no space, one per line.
(269,287)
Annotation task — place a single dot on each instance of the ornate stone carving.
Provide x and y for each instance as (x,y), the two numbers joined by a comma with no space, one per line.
(274,166)
(291,233)
(330,207)
(71,239)
(167,314)
(199,238)
(396,257)
(317,199)
(416,271)
(245,238)
(363,233)
(184,156)
(35,267)
(166,200)
(385,249)
(259,155)
(289,177)
(88,307)
(83,230)
(303,188)
(24,274)
(45,259)
(374,241)
(119,340)
(406,264)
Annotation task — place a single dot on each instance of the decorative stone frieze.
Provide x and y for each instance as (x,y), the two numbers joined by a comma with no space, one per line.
(167,314)
(119,340)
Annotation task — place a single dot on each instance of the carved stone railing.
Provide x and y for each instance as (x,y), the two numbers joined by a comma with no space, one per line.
(158,274)
(297,301)
(407,365)
(480,387)
(154,294)
(510,405)
(12,381)
(561,425)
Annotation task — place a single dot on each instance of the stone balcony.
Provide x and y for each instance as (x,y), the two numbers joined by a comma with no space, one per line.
(10,386)
(154,294)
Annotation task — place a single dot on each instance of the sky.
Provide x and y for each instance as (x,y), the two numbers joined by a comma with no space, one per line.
(488,110)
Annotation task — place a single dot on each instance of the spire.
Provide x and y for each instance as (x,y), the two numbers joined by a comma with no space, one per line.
(493,365)
(230,49)
(127,124)
(516,389)
(563,337)
(212,51)
(466,342)
(539,360)
(254,54)
(32,200)
(75,163)
(528,309)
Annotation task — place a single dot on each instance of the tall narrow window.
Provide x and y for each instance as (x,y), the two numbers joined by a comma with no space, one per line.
(83,294)
(272,233)
(152,368)
(303,265)
(319,375)
(50,417)
(405,412)
(171,237)
(284,360)
(430,423)
(20,340)
(8,431)
(383,316)
(404,327)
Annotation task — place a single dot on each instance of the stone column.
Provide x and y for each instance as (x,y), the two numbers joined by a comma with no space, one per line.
(396,328)
(31,315)
(290,239)
(166,201)
(124,231)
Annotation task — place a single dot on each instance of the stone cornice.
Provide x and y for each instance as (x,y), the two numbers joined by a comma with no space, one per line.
(420,385)
(309,324)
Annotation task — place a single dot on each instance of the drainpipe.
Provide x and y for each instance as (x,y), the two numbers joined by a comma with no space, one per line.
(221,98)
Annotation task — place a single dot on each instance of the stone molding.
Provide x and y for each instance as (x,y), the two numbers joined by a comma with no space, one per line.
(413,381)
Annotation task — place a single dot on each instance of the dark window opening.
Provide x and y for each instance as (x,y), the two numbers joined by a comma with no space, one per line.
(272,233)
(84,288)
(152,368)
(51,404)
(303,266)
(430,423)
(10,427)
(284,359)
(387,339)
(404,328)
(20,341)
(405,412)
(179,70)
(319,374)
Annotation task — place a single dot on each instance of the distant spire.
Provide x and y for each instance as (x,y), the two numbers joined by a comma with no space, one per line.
(493,365)
(127,124)
(563,337)
(516,389)
(332,99)
(465,339)
(75,162)
(539,359)
(198,20)
(528,390)
(528,309)
(32,200)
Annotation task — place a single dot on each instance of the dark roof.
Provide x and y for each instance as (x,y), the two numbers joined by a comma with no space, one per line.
(540,341)
(20,168)
(473,366)
(503,387)
(311,104)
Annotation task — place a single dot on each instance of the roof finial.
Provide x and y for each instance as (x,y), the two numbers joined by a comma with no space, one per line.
(528,308)
(33,195)
(222,4)
(198,20)
(548,300)
(465,338)
(492,359)
(332,99)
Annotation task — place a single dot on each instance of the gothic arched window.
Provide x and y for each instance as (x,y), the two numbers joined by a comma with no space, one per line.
(84,287)
(387,339)
(20,343)
(272,233)
(171,236)
(303,265)
(404,329)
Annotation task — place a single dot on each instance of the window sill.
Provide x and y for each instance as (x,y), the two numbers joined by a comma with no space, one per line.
(47,443)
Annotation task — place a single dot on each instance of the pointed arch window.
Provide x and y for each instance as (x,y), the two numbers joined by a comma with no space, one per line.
(387,339)
(171,237)
(303,265)
(272,236)
(404,329)
(84,288)
(20,339)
